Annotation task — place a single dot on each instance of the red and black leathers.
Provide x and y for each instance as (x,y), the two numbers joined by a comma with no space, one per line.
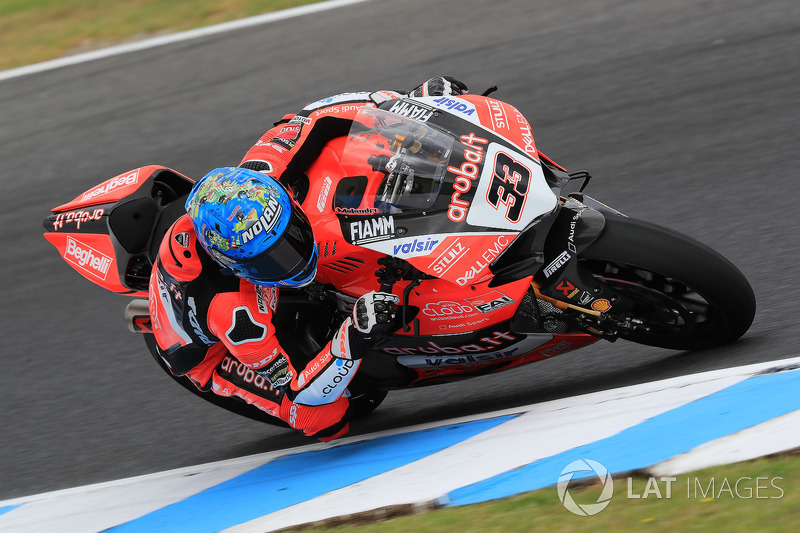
(217,329)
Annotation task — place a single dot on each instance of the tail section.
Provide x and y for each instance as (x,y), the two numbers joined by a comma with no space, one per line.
(110,234)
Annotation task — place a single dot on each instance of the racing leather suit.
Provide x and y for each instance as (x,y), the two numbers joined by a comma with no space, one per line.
(217,329)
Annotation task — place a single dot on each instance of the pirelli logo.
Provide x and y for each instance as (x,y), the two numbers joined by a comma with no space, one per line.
(557,263)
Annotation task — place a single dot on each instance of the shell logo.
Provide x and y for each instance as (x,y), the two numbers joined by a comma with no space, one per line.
(601,305)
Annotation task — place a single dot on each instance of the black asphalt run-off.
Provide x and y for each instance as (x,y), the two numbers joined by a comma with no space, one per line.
(686,113)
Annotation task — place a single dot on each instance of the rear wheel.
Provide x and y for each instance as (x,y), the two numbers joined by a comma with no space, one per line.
(684,295)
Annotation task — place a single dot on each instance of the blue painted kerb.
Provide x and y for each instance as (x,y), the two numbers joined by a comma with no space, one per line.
(7,508)
(740,406)
(300,477)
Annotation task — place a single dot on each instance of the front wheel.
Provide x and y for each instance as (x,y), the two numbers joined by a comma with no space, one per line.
(683,294)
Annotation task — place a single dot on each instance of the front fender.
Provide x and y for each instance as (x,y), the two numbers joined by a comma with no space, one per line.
(576,227)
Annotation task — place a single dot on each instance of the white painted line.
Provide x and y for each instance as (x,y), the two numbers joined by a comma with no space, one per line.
(104,505)
(774,436)
(176,37)
(544,430)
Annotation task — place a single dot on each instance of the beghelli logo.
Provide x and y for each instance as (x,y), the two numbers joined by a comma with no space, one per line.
(585,465)
(87,258)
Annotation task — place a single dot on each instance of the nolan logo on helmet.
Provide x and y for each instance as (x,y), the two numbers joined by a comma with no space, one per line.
(265,223)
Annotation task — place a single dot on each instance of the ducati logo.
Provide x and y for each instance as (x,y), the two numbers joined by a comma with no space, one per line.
(182,239)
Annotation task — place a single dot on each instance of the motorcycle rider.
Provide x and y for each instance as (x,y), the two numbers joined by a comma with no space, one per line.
(214,286)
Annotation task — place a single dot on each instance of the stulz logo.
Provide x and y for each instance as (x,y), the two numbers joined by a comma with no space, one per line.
(110,185)
(372,229)
(448,258)
(499,119)
(87,258)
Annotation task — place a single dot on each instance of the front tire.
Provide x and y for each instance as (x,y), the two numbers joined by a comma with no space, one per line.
(685,295)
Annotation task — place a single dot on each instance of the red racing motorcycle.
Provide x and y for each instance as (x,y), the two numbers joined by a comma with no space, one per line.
(447,203)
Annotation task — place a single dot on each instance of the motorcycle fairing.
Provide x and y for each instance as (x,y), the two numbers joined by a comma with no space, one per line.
(433,355)
(444,309)
(515,190)
(464,366)
(427,356)
(477,170)
(110,233)
(449,206)
(360,216)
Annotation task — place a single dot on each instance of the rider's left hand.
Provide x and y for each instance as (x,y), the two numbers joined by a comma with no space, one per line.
(374,317)
(375,313)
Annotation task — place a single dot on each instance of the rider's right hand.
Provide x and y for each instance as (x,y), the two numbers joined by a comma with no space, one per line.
(441,86)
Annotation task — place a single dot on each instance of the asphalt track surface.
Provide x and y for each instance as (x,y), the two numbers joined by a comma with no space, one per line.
(686,112)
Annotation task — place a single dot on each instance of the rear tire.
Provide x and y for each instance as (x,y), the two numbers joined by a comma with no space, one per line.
(688,296)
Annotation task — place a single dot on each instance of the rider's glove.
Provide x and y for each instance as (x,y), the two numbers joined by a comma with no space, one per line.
(440,86)
(375,313)
(374,316)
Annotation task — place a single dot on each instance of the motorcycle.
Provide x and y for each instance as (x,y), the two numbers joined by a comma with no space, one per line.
(447,203)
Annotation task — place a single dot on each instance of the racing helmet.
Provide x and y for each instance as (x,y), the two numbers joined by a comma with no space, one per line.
(247,222)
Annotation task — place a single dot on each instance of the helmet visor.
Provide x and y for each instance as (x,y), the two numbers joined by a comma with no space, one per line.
(292,257)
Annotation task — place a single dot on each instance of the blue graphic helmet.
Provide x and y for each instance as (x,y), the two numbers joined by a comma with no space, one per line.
(249,223)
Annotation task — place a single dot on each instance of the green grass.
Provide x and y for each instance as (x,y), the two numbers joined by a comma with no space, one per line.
(776,509)
(38,30)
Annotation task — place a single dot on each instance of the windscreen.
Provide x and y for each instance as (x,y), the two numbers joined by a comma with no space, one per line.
(411,156)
